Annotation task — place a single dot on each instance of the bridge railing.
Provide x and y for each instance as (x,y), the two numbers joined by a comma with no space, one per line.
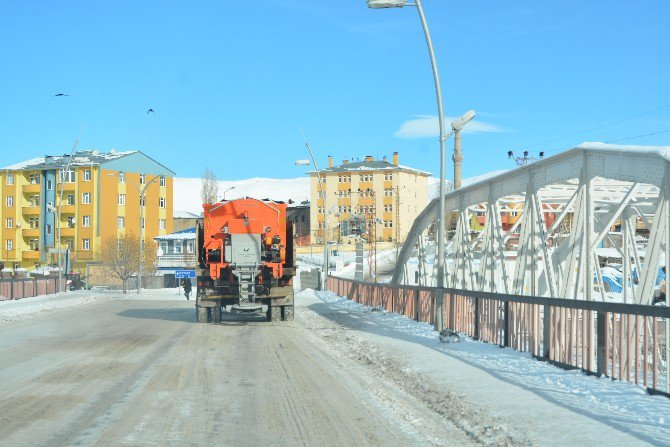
(627,342)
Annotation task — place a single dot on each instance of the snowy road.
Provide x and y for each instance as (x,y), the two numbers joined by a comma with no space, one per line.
(115,371)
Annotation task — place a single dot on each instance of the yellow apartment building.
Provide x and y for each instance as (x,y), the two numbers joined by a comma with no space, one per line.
(97,197)
(388,194)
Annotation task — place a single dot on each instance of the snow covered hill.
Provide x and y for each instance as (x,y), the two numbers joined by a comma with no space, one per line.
(187,190)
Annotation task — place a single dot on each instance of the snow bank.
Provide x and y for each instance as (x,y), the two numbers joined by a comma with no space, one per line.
(623,408)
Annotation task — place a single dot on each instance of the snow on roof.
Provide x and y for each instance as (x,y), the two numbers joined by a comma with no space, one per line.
(81,158)
(180,214)
(664,151)
(186,234)
(25,164)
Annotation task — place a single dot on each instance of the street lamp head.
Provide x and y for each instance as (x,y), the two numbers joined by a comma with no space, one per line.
(302,163)
(380,4)
(462,120)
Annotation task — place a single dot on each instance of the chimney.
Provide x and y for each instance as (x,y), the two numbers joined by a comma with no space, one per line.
(395,158)
(345,161)
(330,161)
(369,158)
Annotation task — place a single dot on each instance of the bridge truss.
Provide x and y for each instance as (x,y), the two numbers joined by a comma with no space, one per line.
(541,229)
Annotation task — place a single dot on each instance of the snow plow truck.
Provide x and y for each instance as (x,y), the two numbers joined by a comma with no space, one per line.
(245,260)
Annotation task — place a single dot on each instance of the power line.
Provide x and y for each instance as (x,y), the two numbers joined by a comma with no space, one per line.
(581,132)
(639,136)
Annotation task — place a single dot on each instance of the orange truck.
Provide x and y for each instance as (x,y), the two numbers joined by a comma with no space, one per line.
(245,260)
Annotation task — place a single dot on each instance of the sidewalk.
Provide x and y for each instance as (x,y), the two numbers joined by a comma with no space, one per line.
(553,406)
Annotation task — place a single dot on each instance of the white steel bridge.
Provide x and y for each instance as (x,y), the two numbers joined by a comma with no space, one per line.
(546,228)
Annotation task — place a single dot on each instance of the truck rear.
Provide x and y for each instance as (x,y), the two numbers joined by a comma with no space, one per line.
(245,260)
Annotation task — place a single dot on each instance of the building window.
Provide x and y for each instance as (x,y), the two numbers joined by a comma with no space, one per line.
(34,179)
(9,243)
(9,223)
(34,200)
(120,222)
(143,179)
(161,224)
(86,198)
(85,221)
(66,176)
(70,199)
(178,247)
(161,202)
(48,229)
(49,185)
(190,247)
(9,200)
(86,244)
(69,243)
(87,175)
(34,222)
(34,244)
(122,199)
(122,177)
(70,222)
(162,180)
(10,179)
(163,247)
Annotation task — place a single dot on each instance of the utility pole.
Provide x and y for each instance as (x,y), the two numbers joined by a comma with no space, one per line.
(458,159)
(61,177)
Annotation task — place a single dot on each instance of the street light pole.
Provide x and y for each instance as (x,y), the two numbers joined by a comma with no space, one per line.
(58,214)
(439,322)
(224,192)
(325,210)
(142,191)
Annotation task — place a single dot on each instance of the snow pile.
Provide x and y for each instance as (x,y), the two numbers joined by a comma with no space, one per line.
(32,307)
(617,408)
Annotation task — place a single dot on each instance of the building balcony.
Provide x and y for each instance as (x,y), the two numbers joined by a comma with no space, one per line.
(30,232)
(67,186)
(68,209)
(34,188)
(31,254)
(182,261)
(66,231)
(31,210)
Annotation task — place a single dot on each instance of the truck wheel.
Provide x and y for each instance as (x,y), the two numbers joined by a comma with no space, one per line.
(201,314)
(287,313)
(216,314)
(275,313)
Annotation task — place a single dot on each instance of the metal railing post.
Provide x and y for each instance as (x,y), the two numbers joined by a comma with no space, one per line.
(475,334)
(506,324)
(546,331)
(601,343)
(416,305)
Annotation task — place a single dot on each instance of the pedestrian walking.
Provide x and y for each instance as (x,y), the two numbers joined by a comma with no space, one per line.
(186,284)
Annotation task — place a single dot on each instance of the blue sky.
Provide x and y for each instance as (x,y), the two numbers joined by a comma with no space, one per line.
(232,81)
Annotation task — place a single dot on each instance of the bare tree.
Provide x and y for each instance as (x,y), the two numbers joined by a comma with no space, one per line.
(210,187)
(121,256)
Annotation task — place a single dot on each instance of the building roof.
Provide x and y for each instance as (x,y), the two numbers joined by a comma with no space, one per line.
(373,165)
(95,158)
(179,214)
(188,233)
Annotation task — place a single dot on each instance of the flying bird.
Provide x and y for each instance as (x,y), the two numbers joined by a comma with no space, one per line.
(60,94)
(150,111)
